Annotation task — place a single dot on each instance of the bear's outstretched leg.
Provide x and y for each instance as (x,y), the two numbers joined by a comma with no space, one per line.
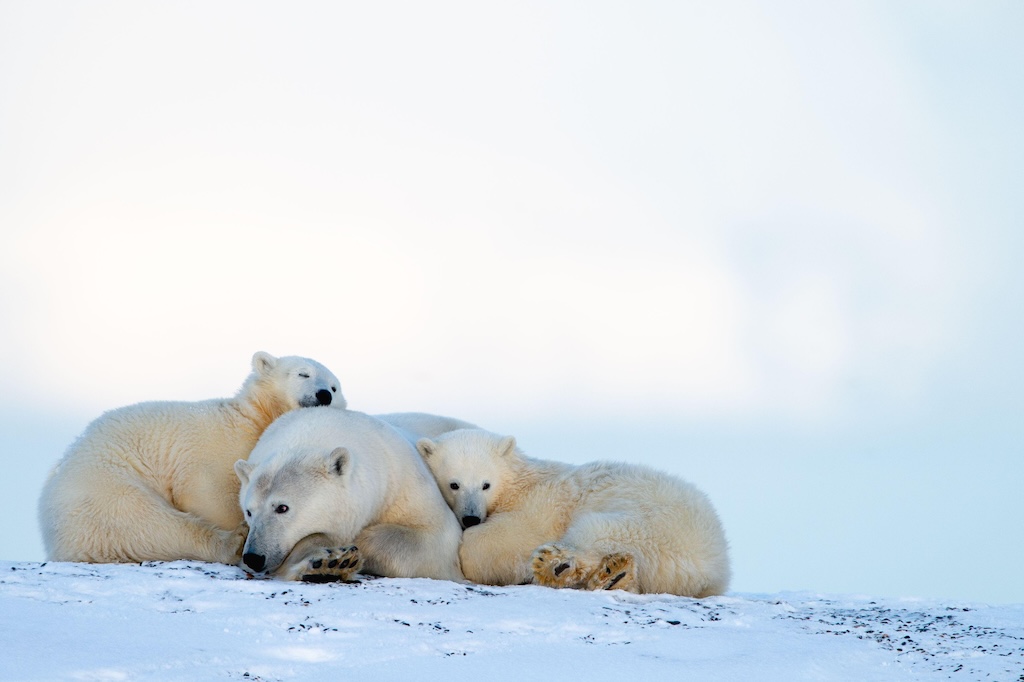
(402,551)
(129,522)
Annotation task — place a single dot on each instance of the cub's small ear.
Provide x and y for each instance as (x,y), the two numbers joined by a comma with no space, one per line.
(337,461)
(263,362)
(242,469)
(507,446)
(426,447)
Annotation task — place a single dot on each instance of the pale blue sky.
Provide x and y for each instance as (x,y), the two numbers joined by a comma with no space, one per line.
(773,248)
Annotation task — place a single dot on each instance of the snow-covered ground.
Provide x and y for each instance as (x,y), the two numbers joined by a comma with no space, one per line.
(195,621)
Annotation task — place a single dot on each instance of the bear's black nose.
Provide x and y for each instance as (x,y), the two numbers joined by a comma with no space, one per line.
(254,561)
(323,396)
(468,521)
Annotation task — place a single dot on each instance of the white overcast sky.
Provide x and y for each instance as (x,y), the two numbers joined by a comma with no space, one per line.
(771,247)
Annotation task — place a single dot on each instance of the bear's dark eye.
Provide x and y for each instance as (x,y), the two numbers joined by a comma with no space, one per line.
(486,486)
(453,486)
(281,509)
(303,375)
(248,513)
(334,388)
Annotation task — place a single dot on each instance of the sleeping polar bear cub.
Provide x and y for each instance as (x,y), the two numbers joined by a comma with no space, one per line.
(602,525)
(154,482)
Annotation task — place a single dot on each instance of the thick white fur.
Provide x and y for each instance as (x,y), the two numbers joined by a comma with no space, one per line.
(585,513)
(345,478)
(416,425)
(154,481)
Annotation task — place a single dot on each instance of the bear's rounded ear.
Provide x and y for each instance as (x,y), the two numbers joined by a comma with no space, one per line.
(263,362)
(242,469)
(337,461)
(426,447)
(507,446)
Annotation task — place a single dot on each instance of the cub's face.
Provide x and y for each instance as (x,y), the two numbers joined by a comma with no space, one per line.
(300,381)
(468,468)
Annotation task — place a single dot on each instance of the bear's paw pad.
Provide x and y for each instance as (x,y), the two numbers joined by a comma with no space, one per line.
(555,566)
(333,565)
(616,572)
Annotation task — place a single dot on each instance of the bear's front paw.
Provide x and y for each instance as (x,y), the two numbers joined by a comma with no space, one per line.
(555,566)
(616,572)
(332,565)
(232,542)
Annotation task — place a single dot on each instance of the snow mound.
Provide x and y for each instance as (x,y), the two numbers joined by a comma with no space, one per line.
(197,621)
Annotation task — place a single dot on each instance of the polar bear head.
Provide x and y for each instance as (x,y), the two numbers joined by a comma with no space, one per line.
(288,505)
(292,381)
(471,467)
(315,477)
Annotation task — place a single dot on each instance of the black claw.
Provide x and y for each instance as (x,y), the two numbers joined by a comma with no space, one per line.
(617,578)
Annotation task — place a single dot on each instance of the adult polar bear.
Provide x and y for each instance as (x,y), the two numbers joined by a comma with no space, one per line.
(154,481)
(321,483)
(602,525)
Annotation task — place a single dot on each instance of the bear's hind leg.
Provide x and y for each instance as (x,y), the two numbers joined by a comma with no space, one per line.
(595,553)
(129,522)
(557,565)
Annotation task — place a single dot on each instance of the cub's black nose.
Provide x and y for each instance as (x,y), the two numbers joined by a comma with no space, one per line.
(468,521)
(323,396)
(254,561)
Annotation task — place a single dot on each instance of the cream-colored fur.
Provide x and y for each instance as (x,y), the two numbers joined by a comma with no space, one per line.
(328,493)
(603,525)
(154,481)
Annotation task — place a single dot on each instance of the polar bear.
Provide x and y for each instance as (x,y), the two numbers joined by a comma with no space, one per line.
(154,481)
(330,493)
(602,525)
(416,425)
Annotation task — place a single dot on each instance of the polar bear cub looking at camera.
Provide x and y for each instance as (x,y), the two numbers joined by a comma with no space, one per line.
(330,493)
(154,481)
(602,525)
